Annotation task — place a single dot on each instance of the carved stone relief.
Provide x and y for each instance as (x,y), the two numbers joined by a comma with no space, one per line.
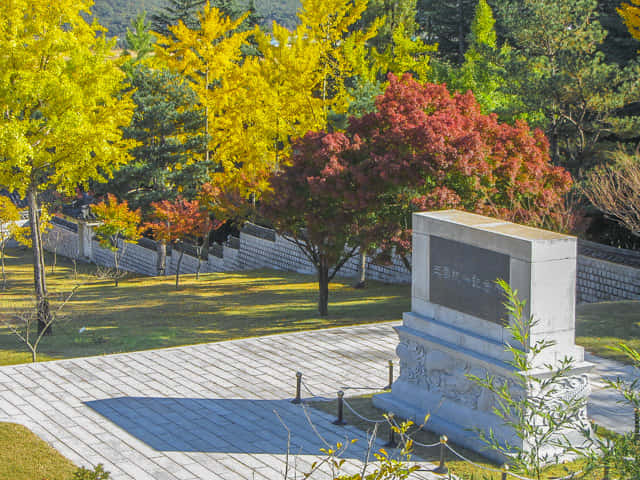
(440,373)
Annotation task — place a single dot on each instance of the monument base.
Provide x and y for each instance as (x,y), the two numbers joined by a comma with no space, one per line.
(434,381)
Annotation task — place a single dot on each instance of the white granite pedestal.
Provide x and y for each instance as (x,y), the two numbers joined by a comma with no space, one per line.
(456,326)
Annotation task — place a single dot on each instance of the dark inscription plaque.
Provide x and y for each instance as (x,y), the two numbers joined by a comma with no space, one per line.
(462,277)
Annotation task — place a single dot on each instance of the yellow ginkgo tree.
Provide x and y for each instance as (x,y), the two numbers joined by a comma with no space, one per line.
(299,80)
(209,58)
(61,108)
(630,13)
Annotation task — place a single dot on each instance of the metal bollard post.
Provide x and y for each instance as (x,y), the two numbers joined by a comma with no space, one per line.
(636,424)
(392,438)
(505,471)
(340,419)
(298,383)
(442,468)
(388,387)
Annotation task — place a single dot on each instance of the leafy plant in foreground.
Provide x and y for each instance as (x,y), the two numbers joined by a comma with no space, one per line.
(534,405)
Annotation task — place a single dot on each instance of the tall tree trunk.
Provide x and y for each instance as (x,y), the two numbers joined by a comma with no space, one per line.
(115,262)
(4,274)
(362,269)
(178,269)
(460,32)
(323,287)
(162,257)
(199,251)
(206,121)
(39,278)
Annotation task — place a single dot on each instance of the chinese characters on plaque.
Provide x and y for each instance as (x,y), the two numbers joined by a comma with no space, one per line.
(463,277)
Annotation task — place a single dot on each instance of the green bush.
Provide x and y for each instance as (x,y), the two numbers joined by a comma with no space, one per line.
(98,473)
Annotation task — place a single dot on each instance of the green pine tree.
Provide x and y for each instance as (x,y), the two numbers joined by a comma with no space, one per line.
(484,69)
(396,13)
(139,39)
(174,12)
(560,72)
(447,23)
(483,31)
(168,123)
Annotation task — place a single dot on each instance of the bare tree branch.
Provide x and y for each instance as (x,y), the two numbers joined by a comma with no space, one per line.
(615,190)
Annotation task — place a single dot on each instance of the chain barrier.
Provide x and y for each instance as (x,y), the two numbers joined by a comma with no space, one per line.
(313,395)
(415,442)
(362,417)
(424,445)
(477,465)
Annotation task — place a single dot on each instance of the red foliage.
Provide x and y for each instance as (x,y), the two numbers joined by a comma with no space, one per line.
(424,149)
(308,204)
(309,195)
(180,220)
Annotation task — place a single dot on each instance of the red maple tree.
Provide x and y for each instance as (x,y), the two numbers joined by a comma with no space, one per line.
(425,149)
(422,149)
(180,221)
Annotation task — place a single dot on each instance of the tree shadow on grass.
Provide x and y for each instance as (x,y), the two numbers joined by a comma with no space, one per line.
(226,425)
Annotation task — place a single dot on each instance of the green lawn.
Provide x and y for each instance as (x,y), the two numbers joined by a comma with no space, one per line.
(146,313)
(24,456)
(603,325)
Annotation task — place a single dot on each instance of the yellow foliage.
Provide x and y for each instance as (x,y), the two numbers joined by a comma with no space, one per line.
(256,106)
(210,58)
(630,13)
(9,226)
(300,78)
(59,97)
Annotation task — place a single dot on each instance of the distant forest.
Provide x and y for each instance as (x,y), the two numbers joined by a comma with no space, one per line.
(116,15)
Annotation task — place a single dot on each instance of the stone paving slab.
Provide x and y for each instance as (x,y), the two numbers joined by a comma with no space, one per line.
(607,407)
(209,411)
(219,410)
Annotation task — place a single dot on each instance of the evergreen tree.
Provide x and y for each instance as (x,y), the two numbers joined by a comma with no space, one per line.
(619,45)
(447,23)
(483,31)
(175,11)
(396,13)
(139,39)
(237,8)
(395,48)
(483,71)
(167,124)
(561,74)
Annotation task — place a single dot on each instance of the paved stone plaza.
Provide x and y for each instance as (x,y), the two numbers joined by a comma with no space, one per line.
(211,411)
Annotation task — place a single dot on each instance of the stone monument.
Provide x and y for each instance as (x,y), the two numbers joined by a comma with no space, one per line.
(456,323)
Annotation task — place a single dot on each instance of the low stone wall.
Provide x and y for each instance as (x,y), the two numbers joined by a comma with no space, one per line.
(604,273)
(131,257)
(62,241)
(607,274)
(281,254)
(141,258)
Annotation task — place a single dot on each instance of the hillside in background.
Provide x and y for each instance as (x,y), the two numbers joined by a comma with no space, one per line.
(116,15)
